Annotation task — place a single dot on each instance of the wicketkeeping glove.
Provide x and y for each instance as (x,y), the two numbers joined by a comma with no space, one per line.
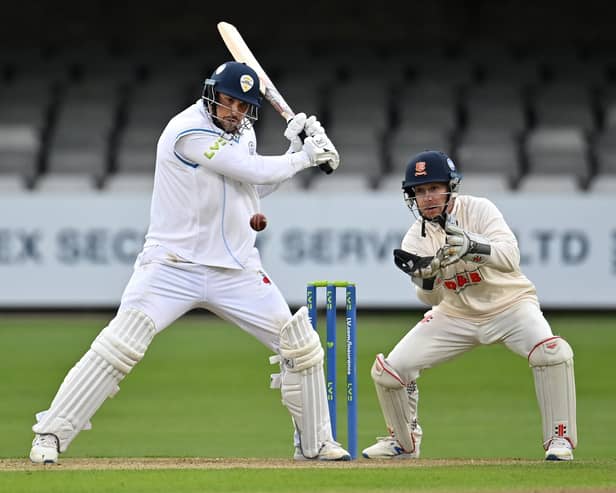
(416,266)
(321,151)
(423,270)
(462,245)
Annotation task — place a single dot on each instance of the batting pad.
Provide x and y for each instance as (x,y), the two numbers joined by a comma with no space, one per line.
(116,350)
(303,383)
(398,402)
(552,364)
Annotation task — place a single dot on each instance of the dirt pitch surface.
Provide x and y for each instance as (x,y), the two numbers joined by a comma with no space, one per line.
(101,464)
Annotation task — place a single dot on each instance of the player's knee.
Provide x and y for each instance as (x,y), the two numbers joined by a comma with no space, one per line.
(385,375)
(124,341)
(550,352)
(300,346)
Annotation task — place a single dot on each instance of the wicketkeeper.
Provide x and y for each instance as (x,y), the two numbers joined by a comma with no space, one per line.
(465,262)
(200,252)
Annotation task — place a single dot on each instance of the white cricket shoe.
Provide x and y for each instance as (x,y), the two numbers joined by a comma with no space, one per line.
(390,448)
(330,451)
(559,449)
(44,449)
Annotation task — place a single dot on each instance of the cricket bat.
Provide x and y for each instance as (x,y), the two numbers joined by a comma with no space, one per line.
(242,53)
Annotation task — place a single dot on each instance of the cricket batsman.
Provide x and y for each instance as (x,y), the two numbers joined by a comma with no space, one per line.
(465,262)
(200,252)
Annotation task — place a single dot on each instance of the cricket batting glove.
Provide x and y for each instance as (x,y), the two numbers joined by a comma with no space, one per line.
(322,152)
(462,245)
(295,127)
(313,126)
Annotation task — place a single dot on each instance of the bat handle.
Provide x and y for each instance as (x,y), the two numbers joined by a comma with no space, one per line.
(325,168)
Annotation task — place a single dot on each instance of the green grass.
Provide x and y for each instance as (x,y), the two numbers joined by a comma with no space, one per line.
(588,476)
(202,391)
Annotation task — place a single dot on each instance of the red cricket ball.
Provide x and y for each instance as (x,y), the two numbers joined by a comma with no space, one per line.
(258,222)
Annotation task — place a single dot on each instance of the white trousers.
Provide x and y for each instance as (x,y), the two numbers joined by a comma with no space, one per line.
(164,289)
(438,338)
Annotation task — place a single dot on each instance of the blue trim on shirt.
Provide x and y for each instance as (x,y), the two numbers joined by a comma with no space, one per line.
(218,133)
(184,161)
(193,131)
(197,130)
(222,223)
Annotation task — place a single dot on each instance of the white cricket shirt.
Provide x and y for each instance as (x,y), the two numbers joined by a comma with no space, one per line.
(206,188)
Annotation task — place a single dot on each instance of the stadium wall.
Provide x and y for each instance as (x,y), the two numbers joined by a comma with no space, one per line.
(77,251)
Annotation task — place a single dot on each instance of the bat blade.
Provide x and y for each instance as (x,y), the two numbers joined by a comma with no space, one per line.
(242,53)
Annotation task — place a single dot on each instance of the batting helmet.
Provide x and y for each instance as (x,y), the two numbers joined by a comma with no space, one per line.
(430,167)
(237,80)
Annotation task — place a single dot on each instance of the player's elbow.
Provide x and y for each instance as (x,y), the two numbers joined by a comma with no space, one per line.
(505,258)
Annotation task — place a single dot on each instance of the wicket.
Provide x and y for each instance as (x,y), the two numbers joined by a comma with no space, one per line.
(330,350)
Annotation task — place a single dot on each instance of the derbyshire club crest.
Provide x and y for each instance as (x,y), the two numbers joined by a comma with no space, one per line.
(246,82)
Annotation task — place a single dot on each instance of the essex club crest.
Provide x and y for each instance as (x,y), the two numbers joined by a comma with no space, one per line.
(420,168)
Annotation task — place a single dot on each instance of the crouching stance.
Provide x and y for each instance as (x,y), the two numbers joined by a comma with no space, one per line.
(200,253)
(552,364)
(464,261)
(398,401)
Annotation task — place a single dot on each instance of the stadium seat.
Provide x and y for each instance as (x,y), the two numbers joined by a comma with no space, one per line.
(302,89)
(24,121)
(79,142)
(604,179)
(565,65)
(19,154)
(341,183)
(484,184)
(363,101)
(362,146)
(494,106)
(11,184)
(86,117)
(361,160)
(391,183)
(430,105)
(270,132)
(563,103)
(603,184)
(489,152)
(548,183)
(151,104)
(405,142)
(129,183)
(497,63)
(557,159)
(136,149)
(66,182)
